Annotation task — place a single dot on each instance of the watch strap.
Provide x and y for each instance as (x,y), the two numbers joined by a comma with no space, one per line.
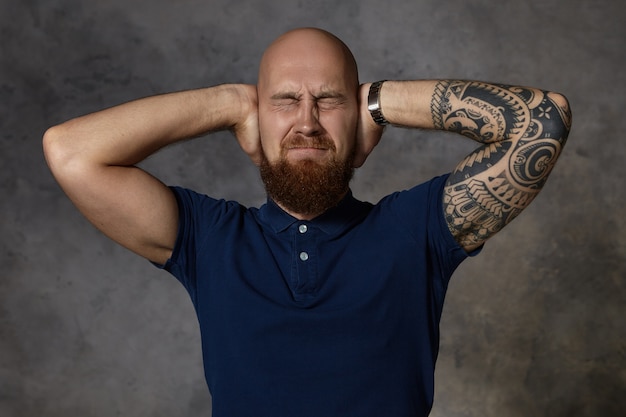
(373,103)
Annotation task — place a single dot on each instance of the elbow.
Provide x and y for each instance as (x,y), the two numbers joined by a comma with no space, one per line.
(53,147)
(59,150)
(559,124)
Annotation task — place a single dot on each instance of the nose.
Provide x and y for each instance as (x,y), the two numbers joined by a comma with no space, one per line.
(308,123)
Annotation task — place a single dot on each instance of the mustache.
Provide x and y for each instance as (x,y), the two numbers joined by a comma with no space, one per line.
(301,141)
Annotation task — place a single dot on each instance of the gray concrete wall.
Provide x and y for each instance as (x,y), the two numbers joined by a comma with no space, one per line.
(532,327)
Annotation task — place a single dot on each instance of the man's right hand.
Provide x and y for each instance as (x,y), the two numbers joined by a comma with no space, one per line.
(246,129)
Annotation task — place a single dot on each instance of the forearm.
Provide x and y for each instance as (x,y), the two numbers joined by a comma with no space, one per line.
(126,134)
(481,111)
(407,103)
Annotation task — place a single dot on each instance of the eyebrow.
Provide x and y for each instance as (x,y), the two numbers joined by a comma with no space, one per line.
(284,95)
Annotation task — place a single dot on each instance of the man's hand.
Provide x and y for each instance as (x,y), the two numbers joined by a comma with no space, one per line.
(368,132)
(247,128)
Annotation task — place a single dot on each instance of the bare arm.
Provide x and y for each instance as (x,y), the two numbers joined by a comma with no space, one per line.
(521,131)
(93,158)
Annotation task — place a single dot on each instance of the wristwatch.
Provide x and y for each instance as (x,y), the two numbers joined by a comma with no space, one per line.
(373,103)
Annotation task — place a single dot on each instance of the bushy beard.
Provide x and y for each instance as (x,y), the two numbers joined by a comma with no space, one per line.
(307,187)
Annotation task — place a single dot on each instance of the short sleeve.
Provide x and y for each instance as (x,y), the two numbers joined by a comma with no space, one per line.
(420,210)
(198,214)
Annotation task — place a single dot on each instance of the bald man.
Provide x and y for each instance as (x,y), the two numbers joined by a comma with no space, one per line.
(316,303)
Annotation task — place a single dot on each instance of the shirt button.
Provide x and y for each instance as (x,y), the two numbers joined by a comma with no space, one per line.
(302,228)
(304,256)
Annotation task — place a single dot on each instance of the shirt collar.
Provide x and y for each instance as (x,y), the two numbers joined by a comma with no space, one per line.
(331,221)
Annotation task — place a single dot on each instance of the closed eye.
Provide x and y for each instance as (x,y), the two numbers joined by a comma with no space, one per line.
(330,100)
(330,103)
(284,100)
(324,101)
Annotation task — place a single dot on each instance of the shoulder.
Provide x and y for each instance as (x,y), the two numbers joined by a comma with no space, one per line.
(205,210)
(196,199)
(416,210)
(418,199)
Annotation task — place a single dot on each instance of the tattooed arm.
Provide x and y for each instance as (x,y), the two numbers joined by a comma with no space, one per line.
(521,131)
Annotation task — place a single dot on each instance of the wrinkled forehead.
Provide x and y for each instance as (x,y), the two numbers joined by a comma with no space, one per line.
(309,54)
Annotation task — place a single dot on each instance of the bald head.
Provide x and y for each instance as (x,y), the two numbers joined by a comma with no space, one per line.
(309,49)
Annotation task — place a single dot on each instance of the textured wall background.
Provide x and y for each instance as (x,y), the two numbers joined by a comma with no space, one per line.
(532,327)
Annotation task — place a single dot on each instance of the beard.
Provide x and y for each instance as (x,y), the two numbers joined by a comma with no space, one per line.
(307,187)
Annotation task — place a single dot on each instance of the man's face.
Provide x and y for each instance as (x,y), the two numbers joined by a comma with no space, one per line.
(308,107)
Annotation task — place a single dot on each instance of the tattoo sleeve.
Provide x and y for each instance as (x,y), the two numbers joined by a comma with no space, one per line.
(521,131)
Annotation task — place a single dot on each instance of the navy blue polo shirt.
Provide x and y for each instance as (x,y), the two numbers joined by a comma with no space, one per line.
(337,316)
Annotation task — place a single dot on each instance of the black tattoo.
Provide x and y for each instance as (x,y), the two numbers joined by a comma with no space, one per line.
(522,131)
